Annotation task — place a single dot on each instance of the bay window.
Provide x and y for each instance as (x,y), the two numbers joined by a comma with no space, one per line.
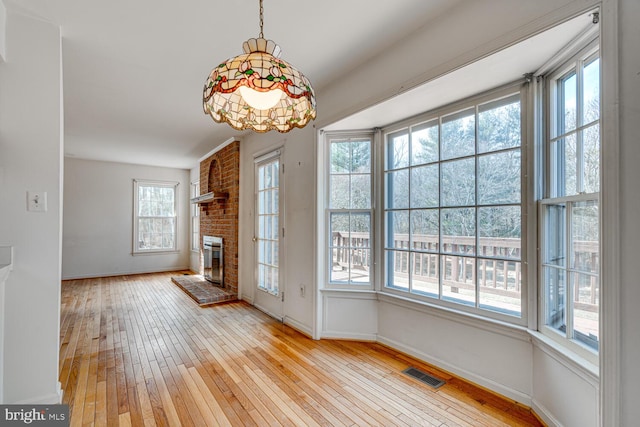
(485,208)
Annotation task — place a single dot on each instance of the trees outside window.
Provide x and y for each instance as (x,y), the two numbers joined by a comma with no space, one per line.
(155,216)
(349,214)
(453,208)
(570,218)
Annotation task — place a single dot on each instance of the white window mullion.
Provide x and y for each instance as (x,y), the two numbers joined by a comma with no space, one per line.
(477,197)
(441,258)
(579,124)
(568,272)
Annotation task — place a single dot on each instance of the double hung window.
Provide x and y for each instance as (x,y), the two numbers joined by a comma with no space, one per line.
(349,213)
(155,216)
(570,224)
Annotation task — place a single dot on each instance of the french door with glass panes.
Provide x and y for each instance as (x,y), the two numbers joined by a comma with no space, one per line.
(268,234)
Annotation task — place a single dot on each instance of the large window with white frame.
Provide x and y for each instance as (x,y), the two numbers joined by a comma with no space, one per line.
(569,210)
(155,216)
(453,202)
(349,212)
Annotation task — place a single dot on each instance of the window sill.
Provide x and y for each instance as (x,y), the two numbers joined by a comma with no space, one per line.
(348,287)
(155,253)
(361,292)
(570,359)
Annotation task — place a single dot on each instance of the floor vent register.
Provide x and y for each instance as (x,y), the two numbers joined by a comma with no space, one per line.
(424,377)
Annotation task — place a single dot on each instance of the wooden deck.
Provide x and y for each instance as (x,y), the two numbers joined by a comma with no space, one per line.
(137,351)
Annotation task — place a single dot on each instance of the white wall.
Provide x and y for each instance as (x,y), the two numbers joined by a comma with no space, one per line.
(629,33)
(31,159)
(98,219)
(564,392)
(496,357)
(299,184)
(349,315)
(473,29)
(3,32)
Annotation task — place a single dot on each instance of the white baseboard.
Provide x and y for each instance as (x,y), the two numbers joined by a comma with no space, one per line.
(50,399)
(501,389)
(338,335)
(125,273)
(300,327)
(544,414)
(245,298)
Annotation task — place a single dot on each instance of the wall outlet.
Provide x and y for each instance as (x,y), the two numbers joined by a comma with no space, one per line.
(36,201)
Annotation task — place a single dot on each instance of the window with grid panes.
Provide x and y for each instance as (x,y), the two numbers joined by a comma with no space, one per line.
(155,216)
(349,213)
(570,217)
(453,208)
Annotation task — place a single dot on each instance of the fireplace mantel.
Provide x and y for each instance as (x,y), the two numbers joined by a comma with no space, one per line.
(210,197)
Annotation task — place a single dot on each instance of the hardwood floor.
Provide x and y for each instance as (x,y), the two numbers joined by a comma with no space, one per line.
(137,351)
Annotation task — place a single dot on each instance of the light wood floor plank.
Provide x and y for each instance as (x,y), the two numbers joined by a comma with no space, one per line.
(165,396)
(186,403)
(135,410)
(100,416)
(156,404)
(124,420)
(89,409)
(145,406)
(225,400)
(136,351)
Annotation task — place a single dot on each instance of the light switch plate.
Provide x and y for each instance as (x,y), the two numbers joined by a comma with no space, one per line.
(37,201)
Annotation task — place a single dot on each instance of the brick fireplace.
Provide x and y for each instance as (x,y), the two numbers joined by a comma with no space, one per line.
(220,173)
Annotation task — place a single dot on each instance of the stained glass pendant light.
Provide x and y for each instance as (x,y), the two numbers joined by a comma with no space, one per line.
(257,90)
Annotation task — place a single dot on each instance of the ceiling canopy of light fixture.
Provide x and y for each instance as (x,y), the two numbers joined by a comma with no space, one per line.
(257,90)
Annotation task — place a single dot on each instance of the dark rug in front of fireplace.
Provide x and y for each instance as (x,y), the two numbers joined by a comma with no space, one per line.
(203,292)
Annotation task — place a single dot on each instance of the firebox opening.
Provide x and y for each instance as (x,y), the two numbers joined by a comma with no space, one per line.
(213,260)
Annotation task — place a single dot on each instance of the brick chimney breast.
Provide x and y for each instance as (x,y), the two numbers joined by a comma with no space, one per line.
(221,173)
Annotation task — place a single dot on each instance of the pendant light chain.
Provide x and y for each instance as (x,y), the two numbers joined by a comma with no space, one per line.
(261,20)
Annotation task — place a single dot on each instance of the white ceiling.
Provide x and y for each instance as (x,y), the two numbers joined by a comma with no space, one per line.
(134,69)
(505,66)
